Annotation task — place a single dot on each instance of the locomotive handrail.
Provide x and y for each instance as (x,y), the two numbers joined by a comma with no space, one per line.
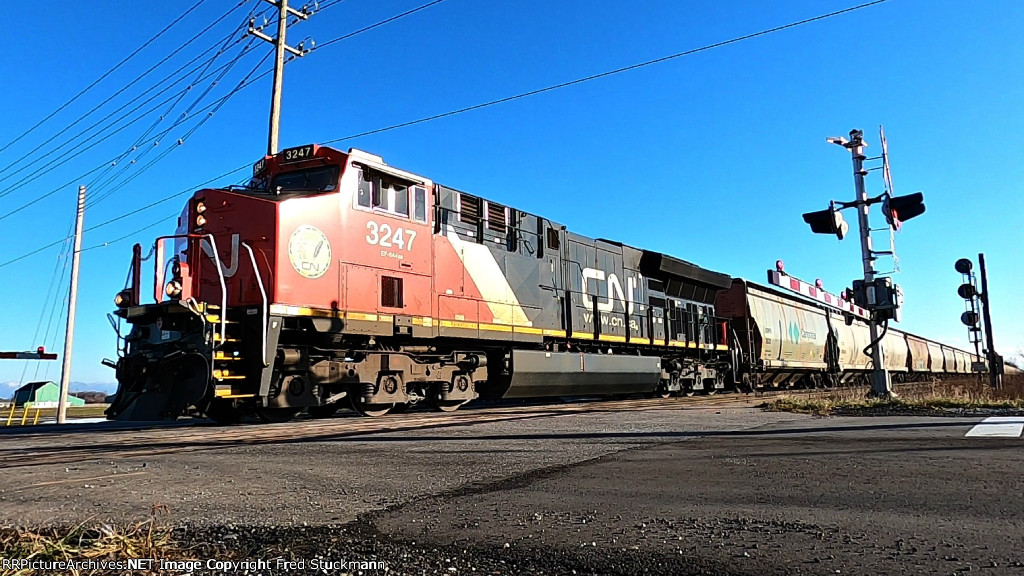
(263,292)
(159,274)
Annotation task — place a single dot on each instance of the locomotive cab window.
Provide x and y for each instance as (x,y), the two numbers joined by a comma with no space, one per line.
(385,193)
(317,180)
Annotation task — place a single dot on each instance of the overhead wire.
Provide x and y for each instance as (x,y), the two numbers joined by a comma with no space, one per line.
(226,44)
(182,118)
(518,96)
(605,74)
(58,298)
(111,127)
(374,25)
(81,150)
(103,76)
(41,197)
(126,87)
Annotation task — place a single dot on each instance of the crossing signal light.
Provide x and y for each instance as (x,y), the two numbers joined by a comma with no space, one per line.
(899,209)
(969,318)
(964,266)
(828,221)
(967,291)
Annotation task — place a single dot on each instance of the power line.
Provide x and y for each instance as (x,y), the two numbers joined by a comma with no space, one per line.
(375,25)
(127,214)
(130,234)
(107,73)
(50,167)
(184,116)
(7,174)
(553,87)
(79,152)
(523,94)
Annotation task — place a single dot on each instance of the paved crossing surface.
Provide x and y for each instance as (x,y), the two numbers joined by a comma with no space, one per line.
(998,426)
(732,491)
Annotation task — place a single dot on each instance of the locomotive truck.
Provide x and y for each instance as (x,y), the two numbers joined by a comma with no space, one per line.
(333,279)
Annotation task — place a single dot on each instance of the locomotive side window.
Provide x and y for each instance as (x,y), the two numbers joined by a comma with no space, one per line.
(420,197)
(553,242)
(365,195)
(399,198)
(384,193)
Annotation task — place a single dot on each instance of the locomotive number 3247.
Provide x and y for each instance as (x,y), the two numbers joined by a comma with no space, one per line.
(384,236)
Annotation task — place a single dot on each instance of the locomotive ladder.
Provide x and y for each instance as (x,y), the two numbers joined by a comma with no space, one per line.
(229,366)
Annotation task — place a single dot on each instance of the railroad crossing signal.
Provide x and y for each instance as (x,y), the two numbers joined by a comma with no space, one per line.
(828,221)
(899,209)
(39,354)
(976,304)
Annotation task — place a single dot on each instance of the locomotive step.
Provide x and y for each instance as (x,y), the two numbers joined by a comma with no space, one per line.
(228,377)
(215,319)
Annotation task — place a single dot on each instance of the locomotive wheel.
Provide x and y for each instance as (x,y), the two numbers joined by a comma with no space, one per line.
(223,412)
(371,410)
(449,406)
(325,411)
(277,415)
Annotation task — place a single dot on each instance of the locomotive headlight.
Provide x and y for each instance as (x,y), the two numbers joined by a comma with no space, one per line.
(200,220)
(123,299)
(200,208)
(173,289)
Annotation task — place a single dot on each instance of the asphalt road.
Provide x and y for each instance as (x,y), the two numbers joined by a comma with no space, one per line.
(659,491)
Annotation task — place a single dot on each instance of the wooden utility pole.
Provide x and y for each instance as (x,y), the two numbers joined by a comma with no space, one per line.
(69,339)
(280,46)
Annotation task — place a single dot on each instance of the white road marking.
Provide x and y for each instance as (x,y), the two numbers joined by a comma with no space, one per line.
(1002,426)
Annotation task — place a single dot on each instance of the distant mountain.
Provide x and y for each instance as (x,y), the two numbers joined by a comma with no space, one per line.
(105,387)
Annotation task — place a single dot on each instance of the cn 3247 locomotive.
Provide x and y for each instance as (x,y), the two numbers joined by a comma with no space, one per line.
(334,279)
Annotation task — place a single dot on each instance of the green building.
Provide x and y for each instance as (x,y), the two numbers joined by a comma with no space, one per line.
(42,392)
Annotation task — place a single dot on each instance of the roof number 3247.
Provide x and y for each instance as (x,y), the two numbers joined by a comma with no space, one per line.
(384,236)
(298,153)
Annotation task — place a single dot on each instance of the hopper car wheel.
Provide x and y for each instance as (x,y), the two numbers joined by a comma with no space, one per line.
(223,412)
(689,392)
(277,415)
(710,391)
(371,410)
(323,411)
(449,406)
(400,408)
(663,394)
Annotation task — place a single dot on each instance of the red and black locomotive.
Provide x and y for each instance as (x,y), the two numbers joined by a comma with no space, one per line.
(334,278)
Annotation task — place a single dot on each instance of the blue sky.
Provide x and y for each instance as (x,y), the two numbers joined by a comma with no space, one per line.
(711,157)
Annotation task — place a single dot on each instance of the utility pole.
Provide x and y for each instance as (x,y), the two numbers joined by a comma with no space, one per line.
(69,339)
(281,46)
(995,362)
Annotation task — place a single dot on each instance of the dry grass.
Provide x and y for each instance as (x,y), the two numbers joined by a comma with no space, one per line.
(966,393)
(82,542)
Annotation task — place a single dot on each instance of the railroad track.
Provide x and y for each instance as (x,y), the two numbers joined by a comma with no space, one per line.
(40,446)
